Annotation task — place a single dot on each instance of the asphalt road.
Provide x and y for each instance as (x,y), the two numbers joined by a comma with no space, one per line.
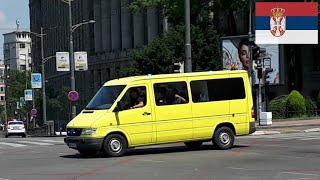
(279,157)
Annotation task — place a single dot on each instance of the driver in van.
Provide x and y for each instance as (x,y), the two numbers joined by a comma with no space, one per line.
(135,99)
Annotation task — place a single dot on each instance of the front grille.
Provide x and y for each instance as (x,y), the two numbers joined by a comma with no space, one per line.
(74,131)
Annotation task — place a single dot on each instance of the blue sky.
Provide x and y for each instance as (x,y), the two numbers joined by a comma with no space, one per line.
(10,11)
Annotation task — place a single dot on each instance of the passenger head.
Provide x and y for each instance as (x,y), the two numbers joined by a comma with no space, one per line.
(134,93)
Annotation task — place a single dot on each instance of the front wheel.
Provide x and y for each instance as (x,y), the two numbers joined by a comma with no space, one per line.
(223,138)
(193,144)
(115,145)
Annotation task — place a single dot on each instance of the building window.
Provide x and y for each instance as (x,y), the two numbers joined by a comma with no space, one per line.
(22,45)
(2,98)
(171,93)
(316,60)
(217,90)
(22,67)
(1,89)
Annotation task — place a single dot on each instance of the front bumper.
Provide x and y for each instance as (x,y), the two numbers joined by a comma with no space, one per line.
(252,127)
(92,144)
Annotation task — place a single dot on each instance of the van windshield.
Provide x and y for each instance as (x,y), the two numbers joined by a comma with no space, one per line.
(105,97)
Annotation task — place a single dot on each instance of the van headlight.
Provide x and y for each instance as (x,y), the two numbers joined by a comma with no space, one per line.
(89,131)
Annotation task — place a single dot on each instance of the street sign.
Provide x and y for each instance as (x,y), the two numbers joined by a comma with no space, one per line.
(81,61)
(28,95)
(34,112)
(62,61)
(36,81)
(73,96)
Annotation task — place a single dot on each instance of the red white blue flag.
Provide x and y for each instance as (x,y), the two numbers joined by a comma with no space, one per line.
(286,23)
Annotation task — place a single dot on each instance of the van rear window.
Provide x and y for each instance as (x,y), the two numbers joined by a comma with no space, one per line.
(217,89)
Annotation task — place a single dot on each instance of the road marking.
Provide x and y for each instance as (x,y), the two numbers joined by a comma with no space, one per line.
(150,160)
(298,179)
(4,179)
(239,168)
(311,138)
(12,144)
(300,174)
(36,143)
(50,141)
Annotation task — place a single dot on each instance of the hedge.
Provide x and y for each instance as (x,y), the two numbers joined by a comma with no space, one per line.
(311,106)
(296,105)
(278,107)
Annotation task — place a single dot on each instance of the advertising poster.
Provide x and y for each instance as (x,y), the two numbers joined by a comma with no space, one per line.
(236,56)
(62,61)
(81,61)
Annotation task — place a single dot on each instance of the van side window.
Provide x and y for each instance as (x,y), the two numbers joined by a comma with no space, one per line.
(135,97)
(217,90)
(171,93)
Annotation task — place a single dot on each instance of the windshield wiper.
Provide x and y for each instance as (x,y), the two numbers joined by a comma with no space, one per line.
(95,108)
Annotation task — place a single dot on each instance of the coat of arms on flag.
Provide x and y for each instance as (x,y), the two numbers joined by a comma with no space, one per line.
(286,23)
(277,22)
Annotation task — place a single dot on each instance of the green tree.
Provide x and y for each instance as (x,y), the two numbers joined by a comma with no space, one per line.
(16,84)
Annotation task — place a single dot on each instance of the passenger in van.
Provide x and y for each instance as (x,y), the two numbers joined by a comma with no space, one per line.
(136,100)
(174,98)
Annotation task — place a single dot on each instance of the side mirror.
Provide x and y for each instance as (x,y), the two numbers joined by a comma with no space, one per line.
(119,106)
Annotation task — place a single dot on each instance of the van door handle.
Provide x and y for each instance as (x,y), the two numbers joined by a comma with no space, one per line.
(146,114)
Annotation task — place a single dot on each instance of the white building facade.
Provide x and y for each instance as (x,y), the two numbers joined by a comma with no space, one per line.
(17,50)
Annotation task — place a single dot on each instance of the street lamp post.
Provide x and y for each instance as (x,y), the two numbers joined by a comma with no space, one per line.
(188,62)
(71,51)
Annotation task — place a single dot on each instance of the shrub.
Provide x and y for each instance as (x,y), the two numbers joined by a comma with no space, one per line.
(296,104)
(311,106)
(278,107)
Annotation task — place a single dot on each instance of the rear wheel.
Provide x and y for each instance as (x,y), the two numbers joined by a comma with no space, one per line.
(193,144)
(223,138)
(115,145)
(6,136)
(24,135)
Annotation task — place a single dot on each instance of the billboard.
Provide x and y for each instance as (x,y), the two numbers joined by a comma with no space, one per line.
(235,51)
(62,61)
(81,62)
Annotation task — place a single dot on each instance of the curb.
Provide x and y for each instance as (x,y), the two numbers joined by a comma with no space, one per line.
(285,131)
(258,133)
(287,126)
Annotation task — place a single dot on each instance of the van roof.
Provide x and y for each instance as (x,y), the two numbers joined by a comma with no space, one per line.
(126,80)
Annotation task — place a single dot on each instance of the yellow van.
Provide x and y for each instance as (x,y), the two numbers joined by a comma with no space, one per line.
(155,109)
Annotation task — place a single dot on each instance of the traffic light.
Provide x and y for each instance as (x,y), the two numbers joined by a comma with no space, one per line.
(259,69)
(178,67)
(266,74)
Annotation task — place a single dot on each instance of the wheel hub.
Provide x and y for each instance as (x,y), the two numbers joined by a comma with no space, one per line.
(224,138)
(115,145)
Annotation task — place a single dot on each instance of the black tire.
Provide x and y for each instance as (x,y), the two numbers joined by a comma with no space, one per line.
(87,153)
(24,135)
(6,136)
(193,144)
(223,138)
(115,145)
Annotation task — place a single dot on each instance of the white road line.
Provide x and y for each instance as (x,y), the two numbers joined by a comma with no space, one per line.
(298,179)
(150,160)
(35,143)
(4,179)
(50,141)
(12,145)
(311,138)
(300,174)
(239,168)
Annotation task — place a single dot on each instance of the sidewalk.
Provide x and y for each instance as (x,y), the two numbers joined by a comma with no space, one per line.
(289,126)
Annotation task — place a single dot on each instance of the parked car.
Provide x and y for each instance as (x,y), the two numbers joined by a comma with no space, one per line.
(15,128)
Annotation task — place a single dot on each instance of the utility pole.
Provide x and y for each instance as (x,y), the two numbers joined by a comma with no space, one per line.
(5,91)
(44,103)
(188,61)
(72,68)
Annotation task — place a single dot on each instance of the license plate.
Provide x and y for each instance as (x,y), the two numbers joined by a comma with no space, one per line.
(72,145)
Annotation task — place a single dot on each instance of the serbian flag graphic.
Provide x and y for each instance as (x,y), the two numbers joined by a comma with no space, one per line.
(286,23)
